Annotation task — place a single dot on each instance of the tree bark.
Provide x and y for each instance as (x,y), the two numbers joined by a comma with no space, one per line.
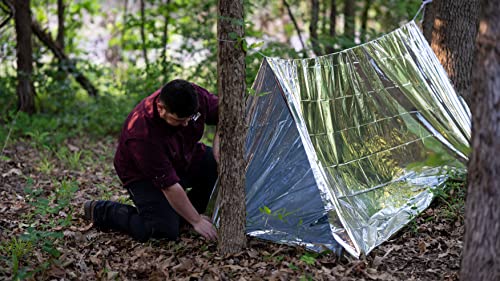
(231,126)
(24,50)
(290,14)
(333,24)
(481,259)
(45,38)
(60,23)
(313,27)
(453,34)
(364,20)
(428,22)
(349,30)
(143,33)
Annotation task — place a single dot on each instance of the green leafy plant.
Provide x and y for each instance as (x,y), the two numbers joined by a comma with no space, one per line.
(38,138)
(16,249)
(45,164)
(309,258)
(70,159)
(452,194)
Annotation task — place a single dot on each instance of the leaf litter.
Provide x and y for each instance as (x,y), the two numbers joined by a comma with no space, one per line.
(428,249)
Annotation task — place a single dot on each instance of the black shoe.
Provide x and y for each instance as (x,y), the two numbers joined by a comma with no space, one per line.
(88,210)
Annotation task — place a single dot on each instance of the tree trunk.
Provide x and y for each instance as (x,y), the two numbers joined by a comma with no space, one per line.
(313,27)
(428,22)
(231,89)
(364,20)
(165,35)
(333,24)
(453,34)
(349,30)
(290,14)
(60,23)
(24,50)
(124,29)
(59,53)
(143,34)
(481,259)
(324,18)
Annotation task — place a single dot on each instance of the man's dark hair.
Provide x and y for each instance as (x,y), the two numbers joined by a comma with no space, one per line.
(180,97)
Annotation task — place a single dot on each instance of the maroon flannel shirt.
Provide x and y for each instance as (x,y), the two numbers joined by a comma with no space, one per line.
(150,149)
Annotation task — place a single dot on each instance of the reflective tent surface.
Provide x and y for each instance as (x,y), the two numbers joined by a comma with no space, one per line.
(347,147)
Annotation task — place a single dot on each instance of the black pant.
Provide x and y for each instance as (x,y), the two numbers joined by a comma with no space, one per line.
(153,217)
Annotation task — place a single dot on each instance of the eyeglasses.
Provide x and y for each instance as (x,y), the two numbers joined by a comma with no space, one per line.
(195,117)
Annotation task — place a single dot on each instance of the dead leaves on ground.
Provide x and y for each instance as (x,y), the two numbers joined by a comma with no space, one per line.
(429,252)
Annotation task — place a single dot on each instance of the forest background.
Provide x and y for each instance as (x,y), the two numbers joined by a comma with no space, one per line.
(57,150)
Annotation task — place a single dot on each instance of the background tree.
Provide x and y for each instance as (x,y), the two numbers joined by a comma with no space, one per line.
(482,218)
(313,27)
(24,49)
(452,39)
(166,15)
(143,33)
(61,6)
(364,19)
(231,89)
(349,19)
(333,23)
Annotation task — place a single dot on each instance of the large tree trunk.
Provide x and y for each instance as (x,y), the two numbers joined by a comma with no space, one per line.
(60,23)
(24,49)
(453,33)
(481,259)
(143,34)
(333,24)
(349,30)
(231,89)
(313,27)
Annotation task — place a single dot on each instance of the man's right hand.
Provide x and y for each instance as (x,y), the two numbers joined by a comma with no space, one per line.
(205,228)
(178,199)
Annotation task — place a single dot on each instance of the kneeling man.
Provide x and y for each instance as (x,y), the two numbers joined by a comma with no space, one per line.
(158,156)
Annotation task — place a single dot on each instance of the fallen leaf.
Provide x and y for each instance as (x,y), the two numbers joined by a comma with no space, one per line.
(12,171)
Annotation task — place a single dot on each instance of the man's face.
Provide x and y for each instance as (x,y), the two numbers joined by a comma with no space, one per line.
(171,118)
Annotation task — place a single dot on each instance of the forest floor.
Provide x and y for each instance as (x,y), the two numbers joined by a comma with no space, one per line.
(43,236)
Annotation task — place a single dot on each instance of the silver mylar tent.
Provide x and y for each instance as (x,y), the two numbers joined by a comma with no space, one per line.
(344,149)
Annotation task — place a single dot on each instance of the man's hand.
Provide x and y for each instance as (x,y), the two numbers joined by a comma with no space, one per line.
(205,228)
(178,199)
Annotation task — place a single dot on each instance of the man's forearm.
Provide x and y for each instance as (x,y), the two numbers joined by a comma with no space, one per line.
(178,199)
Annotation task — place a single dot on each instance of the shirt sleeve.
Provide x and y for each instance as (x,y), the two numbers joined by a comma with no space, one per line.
(210,102)
(153,163)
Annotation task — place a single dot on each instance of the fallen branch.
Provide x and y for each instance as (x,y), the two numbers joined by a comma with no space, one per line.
(9,10)
(63,58)
(290,14)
